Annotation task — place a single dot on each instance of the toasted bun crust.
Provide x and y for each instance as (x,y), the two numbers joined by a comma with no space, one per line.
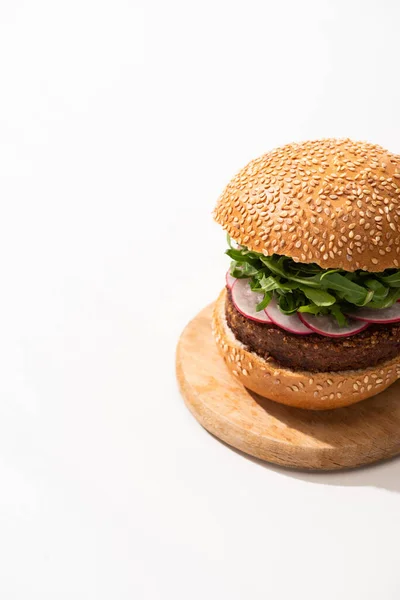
(303,389)
(333,202)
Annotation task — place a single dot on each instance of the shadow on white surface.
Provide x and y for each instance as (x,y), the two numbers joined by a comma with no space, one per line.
(384,474)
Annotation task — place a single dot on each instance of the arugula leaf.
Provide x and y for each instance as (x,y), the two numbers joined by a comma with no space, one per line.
(319,297)
(287,304)
(264,302)
(380,290)
(241,256)
(392,280)
(274,264)
(339,316)
(267,284)
(309,288)
(310,308)
(391,298)
(350,291)
(246,269)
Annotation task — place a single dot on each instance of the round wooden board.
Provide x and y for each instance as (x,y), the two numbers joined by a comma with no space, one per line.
(334,439)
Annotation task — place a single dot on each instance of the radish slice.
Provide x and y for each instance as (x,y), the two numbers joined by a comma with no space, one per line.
(328,326)
(229,280)
(245,301)
(377,315)
(291,323)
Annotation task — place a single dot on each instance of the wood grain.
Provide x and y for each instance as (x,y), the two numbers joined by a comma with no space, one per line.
(334,439)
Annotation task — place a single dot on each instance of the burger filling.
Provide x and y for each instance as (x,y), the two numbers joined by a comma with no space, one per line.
(315,352)
(309,289)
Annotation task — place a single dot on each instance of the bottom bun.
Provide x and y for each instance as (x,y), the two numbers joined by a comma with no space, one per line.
(302,389)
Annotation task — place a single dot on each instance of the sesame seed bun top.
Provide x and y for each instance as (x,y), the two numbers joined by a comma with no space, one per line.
(333,202)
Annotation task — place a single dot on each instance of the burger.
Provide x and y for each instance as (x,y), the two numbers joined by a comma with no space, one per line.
(310,315)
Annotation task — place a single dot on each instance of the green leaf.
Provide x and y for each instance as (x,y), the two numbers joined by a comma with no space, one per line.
(339,316)
(311,308)
(392,280)
(287,304)
(329,272)
(367,299)
(390,299)
(308,281)
(264,302)
(319,297)
(309,288)
(380,290)
(237,270)
(274,265)
(268,284)
(350,291)
(243,269)
(243,257)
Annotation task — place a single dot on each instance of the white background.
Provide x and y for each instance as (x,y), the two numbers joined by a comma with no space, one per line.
(120,124)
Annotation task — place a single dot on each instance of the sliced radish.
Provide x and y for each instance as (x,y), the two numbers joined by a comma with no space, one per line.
(328,326)
(391,314)
(245,301)
(229,280)
(291,323)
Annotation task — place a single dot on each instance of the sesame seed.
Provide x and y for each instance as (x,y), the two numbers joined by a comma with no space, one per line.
(351,188)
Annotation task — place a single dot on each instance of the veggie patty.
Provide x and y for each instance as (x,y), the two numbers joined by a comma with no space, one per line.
(315,352)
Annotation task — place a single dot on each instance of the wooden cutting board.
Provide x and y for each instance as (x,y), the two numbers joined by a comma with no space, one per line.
(335,439)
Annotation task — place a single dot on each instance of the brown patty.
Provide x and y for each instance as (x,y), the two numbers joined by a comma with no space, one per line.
(315,352)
